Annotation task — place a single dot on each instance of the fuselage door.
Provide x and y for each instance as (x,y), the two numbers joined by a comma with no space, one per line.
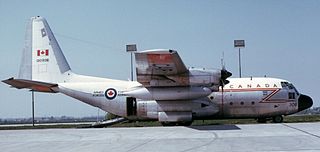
(131,106)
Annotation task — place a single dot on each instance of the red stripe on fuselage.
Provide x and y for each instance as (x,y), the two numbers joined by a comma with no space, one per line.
(270,95)
(249,89)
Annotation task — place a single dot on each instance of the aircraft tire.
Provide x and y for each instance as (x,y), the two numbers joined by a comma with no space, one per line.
(277,119)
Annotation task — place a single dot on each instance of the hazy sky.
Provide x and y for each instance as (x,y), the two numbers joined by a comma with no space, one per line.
(282,38)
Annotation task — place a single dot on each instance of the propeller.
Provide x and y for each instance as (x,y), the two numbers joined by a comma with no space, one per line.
(223,80)
(224,73)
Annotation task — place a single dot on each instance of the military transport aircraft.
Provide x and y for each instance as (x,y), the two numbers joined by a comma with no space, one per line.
(165,90)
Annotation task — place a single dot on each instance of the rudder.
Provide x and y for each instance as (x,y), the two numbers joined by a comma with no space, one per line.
(42,58)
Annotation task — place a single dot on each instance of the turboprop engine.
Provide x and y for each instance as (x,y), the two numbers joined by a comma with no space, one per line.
(199,83)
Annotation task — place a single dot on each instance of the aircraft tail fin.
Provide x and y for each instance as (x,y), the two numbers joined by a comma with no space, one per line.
(42,59)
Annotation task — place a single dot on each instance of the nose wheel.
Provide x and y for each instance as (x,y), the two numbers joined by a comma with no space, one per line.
(277,119)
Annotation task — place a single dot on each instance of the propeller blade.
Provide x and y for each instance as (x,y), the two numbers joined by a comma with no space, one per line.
(224,75)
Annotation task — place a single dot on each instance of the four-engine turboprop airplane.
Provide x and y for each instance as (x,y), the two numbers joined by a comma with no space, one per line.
(166,90)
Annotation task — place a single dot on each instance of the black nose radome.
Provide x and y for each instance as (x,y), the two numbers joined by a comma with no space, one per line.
(304,102)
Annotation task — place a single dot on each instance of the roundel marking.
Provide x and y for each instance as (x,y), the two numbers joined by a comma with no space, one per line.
(110,93)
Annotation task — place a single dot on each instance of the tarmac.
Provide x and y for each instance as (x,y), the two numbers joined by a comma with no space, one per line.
(284,137)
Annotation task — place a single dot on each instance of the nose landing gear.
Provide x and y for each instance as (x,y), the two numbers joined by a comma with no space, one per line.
(275,119)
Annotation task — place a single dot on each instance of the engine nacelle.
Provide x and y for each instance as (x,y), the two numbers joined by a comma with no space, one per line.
(174,116)
(194,77)
(205,77)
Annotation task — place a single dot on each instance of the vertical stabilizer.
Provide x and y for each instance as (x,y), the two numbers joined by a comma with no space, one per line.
(42,58)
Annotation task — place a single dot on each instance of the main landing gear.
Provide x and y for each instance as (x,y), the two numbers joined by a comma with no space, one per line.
(275,119)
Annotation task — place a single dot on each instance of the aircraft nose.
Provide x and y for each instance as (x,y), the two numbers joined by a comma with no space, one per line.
(304,102)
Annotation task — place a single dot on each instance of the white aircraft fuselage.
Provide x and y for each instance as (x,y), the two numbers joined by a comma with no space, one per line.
(241,98)
(166,90)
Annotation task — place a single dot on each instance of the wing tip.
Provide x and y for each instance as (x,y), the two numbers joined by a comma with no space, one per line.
(7,80)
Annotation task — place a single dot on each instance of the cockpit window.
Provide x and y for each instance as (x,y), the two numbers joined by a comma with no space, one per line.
(284,84)
(295,90)
(289,86)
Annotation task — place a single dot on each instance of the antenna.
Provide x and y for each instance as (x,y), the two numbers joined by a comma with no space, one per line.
(223,67)
(223,64)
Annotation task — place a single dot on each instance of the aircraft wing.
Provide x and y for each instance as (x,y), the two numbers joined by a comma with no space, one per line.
(33,85)
(160,68)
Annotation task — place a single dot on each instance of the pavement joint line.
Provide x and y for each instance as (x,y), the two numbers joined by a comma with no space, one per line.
(301,130)
(135,147)
(141,144)
(215,137)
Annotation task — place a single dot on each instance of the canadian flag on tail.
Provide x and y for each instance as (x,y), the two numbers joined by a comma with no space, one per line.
(43,52)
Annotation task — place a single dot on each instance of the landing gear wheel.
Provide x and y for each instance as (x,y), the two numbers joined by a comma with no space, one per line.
(262,120)
(277,119)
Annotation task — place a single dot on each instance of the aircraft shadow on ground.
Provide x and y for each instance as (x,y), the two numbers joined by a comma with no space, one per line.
(215,127)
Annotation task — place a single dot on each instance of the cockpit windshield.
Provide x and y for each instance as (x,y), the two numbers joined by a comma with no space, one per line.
(289,86)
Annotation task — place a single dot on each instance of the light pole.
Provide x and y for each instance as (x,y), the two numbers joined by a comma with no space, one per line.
(32,98)
(239,44)
(131,48)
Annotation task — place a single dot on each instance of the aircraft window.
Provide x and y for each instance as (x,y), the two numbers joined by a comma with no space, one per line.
(241,103)
(231,103)
(294,88)
(284,84)
(290,86)
(291,95)
(252,102)
(265,93)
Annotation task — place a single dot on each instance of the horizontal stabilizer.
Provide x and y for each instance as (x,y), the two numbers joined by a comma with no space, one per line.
(33,85)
